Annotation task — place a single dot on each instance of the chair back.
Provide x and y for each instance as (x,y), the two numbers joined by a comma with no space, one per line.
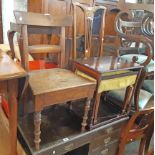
(138,127)
(89,32)
(36,23)
(129,27)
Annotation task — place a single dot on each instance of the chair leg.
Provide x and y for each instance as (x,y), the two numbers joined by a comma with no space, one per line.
(85,117)
(37,131)
(121,150)
(96,106)
(141,147)
(148,139)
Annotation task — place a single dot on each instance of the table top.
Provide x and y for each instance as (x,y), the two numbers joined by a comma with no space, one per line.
(50,80)
(9,69)
(107,63)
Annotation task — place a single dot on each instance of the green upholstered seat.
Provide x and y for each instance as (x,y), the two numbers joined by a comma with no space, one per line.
(148,85)
(114,83)
(141,59)
(118,95)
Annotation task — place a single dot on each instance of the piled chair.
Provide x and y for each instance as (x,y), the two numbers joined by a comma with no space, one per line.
(118,79)
(49,86)
(132,30)
(140,127)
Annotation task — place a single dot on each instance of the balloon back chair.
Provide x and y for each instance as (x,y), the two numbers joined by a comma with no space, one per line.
(135,30)
(140,127)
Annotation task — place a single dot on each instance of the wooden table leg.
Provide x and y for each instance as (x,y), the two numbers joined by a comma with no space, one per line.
(37,131)
(12,99)
(85,117)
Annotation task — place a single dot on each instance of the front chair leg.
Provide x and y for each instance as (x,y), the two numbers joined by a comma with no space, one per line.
(37,131)
(85,117)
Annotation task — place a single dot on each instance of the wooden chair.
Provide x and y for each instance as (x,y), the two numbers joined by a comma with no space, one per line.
(96,68)
(134,28)
(138,128)
(51,86)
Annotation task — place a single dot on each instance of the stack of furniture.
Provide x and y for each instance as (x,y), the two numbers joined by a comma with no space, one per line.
(59,108)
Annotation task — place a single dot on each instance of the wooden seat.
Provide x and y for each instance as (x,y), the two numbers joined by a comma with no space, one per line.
(139,127)
(52,86)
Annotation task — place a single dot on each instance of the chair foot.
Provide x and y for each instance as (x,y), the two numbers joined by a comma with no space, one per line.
(37,131)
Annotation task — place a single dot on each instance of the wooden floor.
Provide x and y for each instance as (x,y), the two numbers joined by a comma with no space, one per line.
(4,136)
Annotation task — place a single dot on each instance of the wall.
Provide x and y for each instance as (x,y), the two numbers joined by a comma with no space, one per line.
(7,13)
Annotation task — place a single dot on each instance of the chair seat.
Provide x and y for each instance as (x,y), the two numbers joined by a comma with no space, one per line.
(114,83)
(141,59)
(44,49)
(118,95)
(50,80)
(148,85)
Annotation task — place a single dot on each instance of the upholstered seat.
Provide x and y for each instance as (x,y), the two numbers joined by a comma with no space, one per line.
(112,84)
(141,59)
(148,85)
(118,95)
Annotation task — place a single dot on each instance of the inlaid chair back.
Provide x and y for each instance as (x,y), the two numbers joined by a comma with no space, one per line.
(137,128)
(129,28)
(89,32)
(35,23)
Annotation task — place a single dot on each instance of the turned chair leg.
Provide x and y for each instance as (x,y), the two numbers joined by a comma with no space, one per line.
(85,117)
(37,131)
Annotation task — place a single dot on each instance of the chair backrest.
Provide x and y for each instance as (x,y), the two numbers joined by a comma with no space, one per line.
(129,27)
(89,21)
(36,23)
(138,127)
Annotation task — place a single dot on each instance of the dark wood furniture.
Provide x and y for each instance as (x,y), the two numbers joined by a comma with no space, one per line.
(138,127)
(10,73)
(106,69)
(64,137)
(134,25)
(89,23)
(52,86)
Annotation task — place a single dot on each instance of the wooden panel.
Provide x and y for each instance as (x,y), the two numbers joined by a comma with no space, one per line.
(35,5)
